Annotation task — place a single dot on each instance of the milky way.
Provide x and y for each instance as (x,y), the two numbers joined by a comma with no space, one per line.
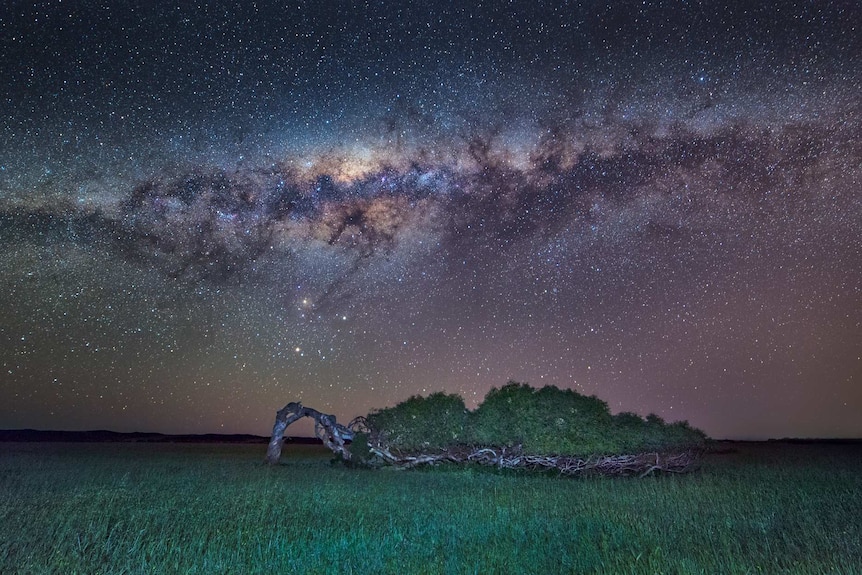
(206,213)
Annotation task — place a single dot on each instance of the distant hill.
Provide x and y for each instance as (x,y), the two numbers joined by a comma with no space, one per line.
(816,440)
(104,436)
(795,441)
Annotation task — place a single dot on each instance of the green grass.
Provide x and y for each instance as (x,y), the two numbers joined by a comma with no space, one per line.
(146,508)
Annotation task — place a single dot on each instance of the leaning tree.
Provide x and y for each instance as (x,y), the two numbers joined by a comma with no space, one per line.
(516,427)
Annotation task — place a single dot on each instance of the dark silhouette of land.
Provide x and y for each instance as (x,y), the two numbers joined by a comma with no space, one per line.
(104,436)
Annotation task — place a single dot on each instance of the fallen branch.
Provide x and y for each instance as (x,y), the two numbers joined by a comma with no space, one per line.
(642,464)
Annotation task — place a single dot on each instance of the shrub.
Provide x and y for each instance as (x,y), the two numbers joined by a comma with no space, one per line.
(544,421)
(633,434)
(422,423)
(360,453)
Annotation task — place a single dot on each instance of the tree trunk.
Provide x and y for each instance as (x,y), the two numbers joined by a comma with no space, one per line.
(332,434)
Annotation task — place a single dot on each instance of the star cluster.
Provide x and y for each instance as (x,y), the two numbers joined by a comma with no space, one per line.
(212,210)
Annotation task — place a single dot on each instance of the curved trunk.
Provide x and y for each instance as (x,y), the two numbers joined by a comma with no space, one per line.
(332,433)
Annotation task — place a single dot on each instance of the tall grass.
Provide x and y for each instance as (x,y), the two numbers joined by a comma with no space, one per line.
(112,508)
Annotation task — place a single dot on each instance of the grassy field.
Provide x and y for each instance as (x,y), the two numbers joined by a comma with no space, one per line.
(163,508)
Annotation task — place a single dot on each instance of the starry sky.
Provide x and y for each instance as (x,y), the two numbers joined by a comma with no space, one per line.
(210,209)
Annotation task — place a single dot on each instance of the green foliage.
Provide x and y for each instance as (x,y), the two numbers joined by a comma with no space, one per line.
(543,421)
(633,434)
(422,423)
(548,421)
(360,453)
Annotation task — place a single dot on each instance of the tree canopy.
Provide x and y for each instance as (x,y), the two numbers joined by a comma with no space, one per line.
(543,421)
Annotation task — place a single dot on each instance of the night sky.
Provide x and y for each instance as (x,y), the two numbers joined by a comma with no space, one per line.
(208,210)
